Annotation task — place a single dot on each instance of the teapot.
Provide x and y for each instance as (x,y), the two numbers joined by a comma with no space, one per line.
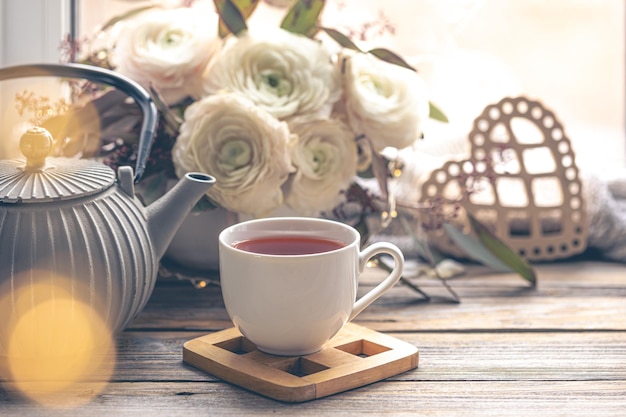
(78,219)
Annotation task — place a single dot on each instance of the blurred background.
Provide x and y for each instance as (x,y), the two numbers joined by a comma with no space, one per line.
(568,54)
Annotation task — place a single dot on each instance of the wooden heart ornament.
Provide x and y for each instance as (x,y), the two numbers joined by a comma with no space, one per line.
(521,181)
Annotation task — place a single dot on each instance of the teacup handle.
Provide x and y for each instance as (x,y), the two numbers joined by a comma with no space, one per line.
(391,280)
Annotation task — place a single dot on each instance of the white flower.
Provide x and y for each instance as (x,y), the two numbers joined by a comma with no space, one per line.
(284,73)
(416,166)
(242,146)
(169,48)
(325,156)
(384,101)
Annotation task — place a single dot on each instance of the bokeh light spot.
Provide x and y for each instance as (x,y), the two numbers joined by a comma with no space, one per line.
(55,348)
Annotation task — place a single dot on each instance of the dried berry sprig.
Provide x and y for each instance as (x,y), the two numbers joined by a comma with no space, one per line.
(382,25)
(41,108)
(119,152)
(70,48)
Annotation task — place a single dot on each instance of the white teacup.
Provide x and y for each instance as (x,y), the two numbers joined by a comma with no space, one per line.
(292,304)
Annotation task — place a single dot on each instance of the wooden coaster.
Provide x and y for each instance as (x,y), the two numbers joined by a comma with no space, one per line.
(355,357)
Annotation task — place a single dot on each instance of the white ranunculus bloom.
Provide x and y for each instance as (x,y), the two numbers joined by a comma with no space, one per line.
(245,148)
(286,74)
(324,153)
(168,48)
(416,166)
(385,102)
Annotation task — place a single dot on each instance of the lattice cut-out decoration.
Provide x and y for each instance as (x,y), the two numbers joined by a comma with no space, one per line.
(523,183)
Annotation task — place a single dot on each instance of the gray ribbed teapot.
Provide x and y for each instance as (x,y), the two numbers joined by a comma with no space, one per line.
(77,219)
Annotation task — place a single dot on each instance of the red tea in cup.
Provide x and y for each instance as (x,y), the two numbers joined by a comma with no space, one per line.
(288,245)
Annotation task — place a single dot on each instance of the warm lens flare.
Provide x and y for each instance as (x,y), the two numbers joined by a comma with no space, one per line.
(56,349)
(43,101)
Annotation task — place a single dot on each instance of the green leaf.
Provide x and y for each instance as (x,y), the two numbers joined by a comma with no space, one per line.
(424,250)
(436,113)
(391,57)
(474,249)
(151,188)
(133,12)
(381,262)
(363,230)
(171,119)
(303,16)
(233,15)
(380,169)
(341,39)
(204,204)
(500,250)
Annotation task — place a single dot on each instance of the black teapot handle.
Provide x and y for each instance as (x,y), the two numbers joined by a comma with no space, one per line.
(103,76)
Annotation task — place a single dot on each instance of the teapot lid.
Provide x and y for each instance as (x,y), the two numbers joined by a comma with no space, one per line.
(39,179)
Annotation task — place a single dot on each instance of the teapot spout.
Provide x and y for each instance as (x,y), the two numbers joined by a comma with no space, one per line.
(165,215)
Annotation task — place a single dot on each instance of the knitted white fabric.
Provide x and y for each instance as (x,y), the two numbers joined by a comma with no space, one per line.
(606,211)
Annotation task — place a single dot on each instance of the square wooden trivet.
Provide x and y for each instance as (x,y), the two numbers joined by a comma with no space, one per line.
(355,357)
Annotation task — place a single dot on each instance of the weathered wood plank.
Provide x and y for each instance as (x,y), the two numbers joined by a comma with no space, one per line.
(503,314)
(397,398)
(570,274)
(489,313)
(443,357)
(579,295)
(556,350)
(583,274)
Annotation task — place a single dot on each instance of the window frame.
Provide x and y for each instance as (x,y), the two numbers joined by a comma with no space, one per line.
(38,24)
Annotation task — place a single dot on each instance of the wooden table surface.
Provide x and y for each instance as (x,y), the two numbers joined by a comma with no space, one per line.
(506,349)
